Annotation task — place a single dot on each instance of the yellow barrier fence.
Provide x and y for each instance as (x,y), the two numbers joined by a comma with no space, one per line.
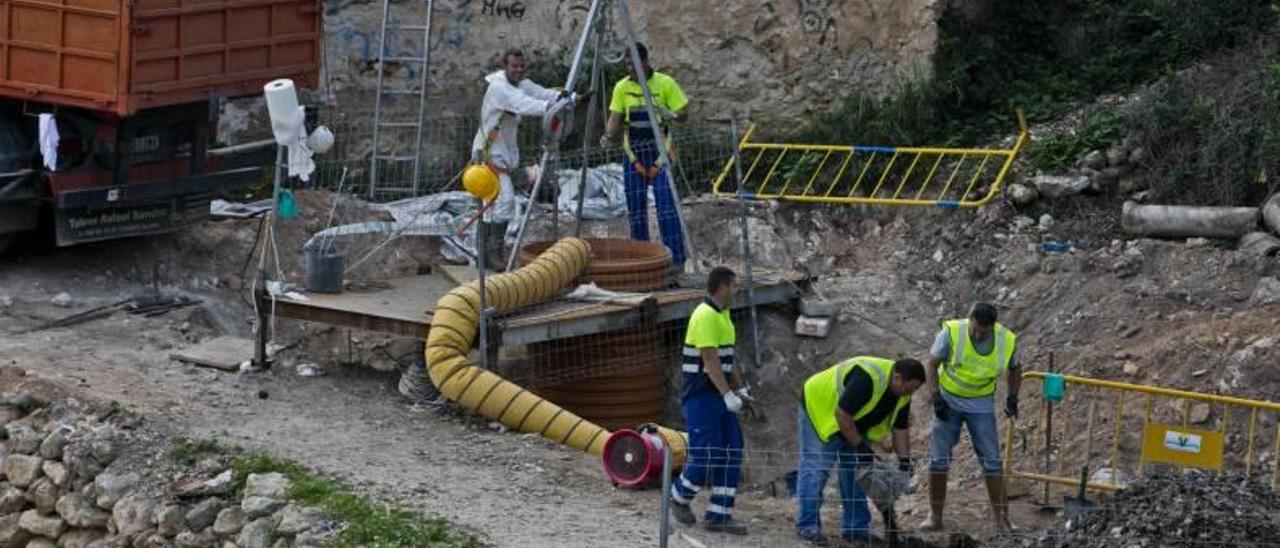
(870,175)
(1093,426)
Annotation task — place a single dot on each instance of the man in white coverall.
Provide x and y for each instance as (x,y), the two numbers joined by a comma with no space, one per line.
(510,95)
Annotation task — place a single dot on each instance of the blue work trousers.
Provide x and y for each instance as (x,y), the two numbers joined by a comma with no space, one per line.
(715,455)
(816,460)
(637,186)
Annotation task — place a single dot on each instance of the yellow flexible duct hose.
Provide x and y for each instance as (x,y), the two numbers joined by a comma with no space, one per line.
(454,327)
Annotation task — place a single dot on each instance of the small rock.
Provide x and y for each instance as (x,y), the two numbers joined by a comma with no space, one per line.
(44,494)
(256,534)
(62,300)
(151,539)
(1054,186)
(283,543)
(81,538)
(132,514)
(938,255)
(81,466)
(23,439)
(256,507)
(22,470)
(1116,155)
(273,485)
(32,522)
(1267,292)
(12,501)
(169,519)
(52,446)
(56,472)
(104,451)
(1139,156)
(79,512)
(41,542)
(1094,160)
(111,487)
(1200,413)
(1199,372)
(11,534)
(229,522)
(1198,242)
(817,307)
(202,515)
(187,539)
(1130,185)
(1130,368)
(1131,332)
(296,519)
(1023,195)
(1046,222)
(198,488)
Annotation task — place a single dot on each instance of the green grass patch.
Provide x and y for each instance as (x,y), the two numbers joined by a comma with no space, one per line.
(1056,152)
(189,452)
(368,524)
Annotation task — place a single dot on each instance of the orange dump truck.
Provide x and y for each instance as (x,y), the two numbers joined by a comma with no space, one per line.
(132,88)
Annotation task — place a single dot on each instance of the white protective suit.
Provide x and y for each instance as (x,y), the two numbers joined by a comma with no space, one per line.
(503,106)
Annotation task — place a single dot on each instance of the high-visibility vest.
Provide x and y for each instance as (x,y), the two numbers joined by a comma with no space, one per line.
(967,373)
(822,394)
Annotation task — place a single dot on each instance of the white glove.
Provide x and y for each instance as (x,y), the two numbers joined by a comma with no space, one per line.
(745,394)
(732,401)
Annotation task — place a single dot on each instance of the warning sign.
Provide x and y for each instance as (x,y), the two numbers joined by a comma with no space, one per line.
(1179,446)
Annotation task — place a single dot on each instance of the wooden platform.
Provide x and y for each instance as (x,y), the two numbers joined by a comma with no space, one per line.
(404,308)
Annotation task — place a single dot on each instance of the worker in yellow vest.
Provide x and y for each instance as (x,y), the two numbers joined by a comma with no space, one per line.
(968,357)
(846,408)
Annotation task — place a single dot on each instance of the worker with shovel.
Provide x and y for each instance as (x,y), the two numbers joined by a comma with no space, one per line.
(642,168)
(968,356)
(845,409)
(710,404)
(509,95)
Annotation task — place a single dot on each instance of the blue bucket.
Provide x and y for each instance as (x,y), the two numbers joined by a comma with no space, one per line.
(1054,386)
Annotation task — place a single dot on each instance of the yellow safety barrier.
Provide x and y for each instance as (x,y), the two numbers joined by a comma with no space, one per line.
(881,175)
(1057,453)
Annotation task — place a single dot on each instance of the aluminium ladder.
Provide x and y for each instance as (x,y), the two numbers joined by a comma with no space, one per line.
(389,163)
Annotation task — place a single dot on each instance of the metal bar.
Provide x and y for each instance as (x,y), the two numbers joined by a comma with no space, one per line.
(715,187)
(1169,392)
(752,169)
(850,148)
(1069,482)
(746,257)
(1145,421)
(481,236)
(664,155)
(929,178)
(1088,442)
(1225,415)
(593,88)
(1115,439)
(816,172)
(1023,133)
(769,175)
(664,525)
(976,174)
(839,174)
(954,171)
(1275,463)
(906,177)
(861,174)
(1248,454)
(377,101)
(422,96)
(884,175)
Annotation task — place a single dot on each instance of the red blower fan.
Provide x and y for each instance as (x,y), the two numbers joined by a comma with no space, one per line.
(633,458)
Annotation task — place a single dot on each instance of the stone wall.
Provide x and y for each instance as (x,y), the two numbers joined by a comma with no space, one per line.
(773,59)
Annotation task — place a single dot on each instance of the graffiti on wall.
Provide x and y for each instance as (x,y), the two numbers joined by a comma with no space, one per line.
(816,21)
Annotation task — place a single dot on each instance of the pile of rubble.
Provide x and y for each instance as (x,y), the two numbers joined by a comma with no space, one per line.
(73,479)
(1173,509)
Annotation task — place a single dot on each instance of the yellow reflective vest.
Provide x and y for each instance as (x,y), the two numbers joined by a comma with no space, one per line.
(822,394)
(968,374)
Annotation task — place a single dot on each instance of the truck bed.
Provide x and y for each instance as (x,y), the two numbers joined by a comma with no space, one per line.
(124,56)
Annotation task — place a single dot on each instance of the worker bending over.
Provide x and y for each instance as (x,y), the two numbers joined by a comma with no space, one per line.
(642,167)
(509,96)
(968,356)
(845,409)
(710,404)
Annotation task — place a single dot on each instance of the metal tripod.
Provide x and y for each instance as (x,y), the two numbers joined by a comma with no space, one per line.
(595,23)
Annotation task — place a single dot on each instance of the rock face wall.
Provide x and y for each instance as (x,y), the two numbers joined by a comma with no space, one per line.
(775,60)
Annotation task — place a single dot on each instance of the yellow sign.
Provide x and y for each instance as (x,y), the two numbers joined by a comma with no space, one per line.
(1182,446)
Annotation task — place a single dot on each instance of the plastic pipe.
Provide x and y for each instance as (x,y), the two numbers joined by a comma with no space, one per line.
(1188,221)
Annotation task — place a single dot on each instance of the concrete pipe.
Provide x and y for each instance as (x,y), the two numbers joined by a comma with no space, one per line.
(1260,243)
(1271,213)
(1188,221)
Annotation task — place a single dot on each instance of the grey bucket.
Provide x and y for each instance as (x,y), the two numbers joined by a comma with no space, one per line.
(324,269)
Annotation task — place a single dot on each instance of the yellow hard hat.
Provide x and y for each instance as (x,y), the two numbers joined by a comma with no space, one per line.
(480,181)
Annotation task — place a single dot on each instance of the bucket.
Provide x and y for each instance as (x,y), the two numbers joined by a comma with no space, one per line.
(1054,386)
(324,269)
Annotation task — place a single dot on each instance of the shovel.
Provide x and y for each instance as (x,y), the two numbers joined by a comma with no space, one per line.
(1077,506)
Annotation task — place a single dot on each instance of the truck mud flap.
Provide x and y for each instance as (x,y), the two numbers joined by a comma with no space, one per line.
(141,210)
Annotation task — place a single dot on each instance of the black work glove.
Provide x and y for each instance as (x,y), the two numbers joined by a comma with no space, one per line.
(940,408)
(863,455)
(1011,405)
(905,465)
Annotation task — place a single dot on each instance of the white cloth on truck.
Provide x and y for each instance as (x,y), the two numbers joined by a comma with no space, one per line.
(49,141)
(504,104)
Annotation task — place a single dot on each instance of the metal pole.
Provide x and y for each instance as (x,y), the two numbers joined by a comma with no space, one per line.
(1048,433)
(269,265)
(746,248)
(664,523)
(422,92)
(663,157)
(480,275)
(586,133)
(551,146)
